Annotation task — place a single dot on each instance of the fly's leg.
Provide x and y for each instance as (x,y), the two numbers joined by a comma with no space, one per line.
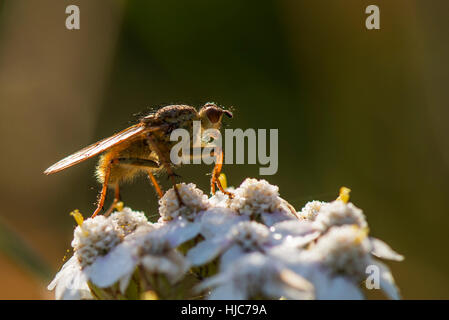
(216,173)
(104,189)
(116,200)
(166,166)
(156,186)
(148,165)
(125,161)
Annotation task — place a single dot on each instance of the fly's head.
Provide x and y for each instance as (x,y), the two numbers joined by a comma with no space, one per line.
(211,116)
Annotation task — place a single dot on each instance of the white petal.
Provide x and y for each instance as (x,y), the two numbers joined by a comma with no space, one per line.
(279,252)
(180,231)
(109,269)
(382,250)
(79,288)
(218,221)
(329,287)
(292,286)
(294,233)
(387,283)
(275,217)
(70,282)
(231,255)
(283,290)
(70,266)
(294,280)
(174,271)
(157,264)
(206,251)
(299,242)
(293,227)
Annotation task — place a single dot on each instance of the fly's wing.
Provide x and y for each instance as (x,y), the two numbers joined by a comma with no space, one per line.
(98,147)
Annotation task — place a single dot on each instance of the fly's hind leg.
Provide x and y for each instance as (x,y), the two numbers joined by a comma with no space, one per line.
(104,189)
(126,161)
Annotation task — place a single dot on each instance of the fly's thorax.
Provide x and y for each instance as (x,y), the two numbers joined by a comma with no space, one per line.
(171,116)
(162,140)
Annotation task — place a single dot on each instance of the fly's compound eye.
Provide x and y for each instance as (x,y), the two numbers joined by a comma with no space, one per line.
(214,114)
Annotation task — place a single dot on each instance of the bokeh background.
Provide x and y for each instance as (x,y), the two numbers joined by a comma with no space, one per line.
(363,109)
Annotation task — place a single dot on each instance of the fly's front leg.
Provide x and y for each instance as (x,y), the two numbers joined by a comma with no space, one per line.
(166,164)
(216,173)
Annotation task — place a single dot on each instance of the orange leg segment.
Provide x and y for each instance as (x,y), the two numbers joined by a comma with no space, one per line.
(166,165)
(216,173)
(103,191)
(116,200)
(156,186)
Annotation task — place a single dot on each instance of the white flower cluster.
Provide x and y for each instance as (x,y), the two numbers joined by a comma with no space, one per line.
(254,245)
(194,201)
(95,238)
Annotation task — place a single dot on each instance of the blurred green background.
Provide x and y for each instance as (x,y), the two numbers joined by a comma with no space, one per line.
(363,109)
